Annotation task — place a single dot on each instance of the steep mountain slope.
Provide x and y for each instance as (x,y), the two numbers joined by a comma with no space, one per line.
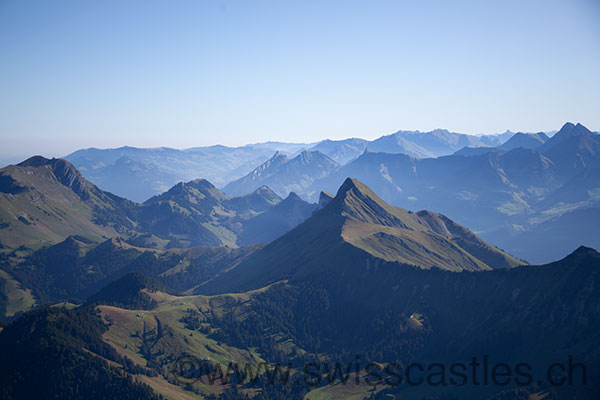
(283,175)
(43,201)
(356,230)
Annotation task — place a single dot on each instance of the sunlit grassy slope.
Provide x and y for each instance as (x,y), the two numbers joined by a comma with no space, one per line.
(159,336)
(43,202)
(18,299)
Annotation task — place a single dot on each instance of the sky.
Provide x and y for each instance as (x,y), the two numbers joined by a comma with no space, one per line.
(79,74)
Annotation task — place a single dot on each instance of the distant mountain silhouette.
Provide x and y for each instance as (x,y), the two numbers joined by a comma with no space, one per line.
(569,130)
(525,140)
(276,221)
(138,174)
(285,175)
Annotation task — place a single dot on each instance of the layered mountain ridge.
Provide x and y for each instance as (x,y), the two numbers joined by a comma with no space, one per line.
(43,201)
(358,228)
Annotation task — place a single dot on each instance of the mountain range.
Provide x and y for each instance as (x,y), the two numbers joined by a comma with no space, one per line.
(43,201)
(359,282)
(104,297)
(359,231)
(138,174)
(503,193)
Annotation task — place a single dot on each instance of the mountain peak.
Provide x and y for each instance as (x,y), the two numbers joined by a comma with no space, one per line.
(201,183)
(583,251)
(307,156)
(193,191)
(64,171)
(356,200)
(293,197)
(568,130)
(525,140)
(354,187)
(350,184)
(324,199)
(265,192)
(34,161)
(355,229)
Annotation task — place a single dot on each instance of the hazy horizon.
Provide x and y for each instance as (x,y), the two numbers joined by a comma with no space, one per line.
(8,158)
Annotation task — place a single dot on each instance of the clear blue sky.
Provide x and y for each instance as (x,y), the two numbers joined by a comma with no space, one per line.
(79,74)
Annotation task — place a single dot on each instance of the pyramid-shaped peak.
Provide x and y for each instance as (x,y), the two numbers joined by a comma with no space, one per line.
(356,200)
(293,196)
(354,185)
(584,251)
(265,192)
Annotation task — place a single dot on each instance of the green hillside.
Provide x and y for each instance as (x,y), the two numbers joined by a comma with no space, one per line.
(535,315)
(43,201)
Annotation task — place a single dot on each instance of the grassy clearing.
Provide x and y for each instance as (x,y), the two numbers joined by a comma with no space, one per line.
(19,299)
(165,338)
(350,390)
